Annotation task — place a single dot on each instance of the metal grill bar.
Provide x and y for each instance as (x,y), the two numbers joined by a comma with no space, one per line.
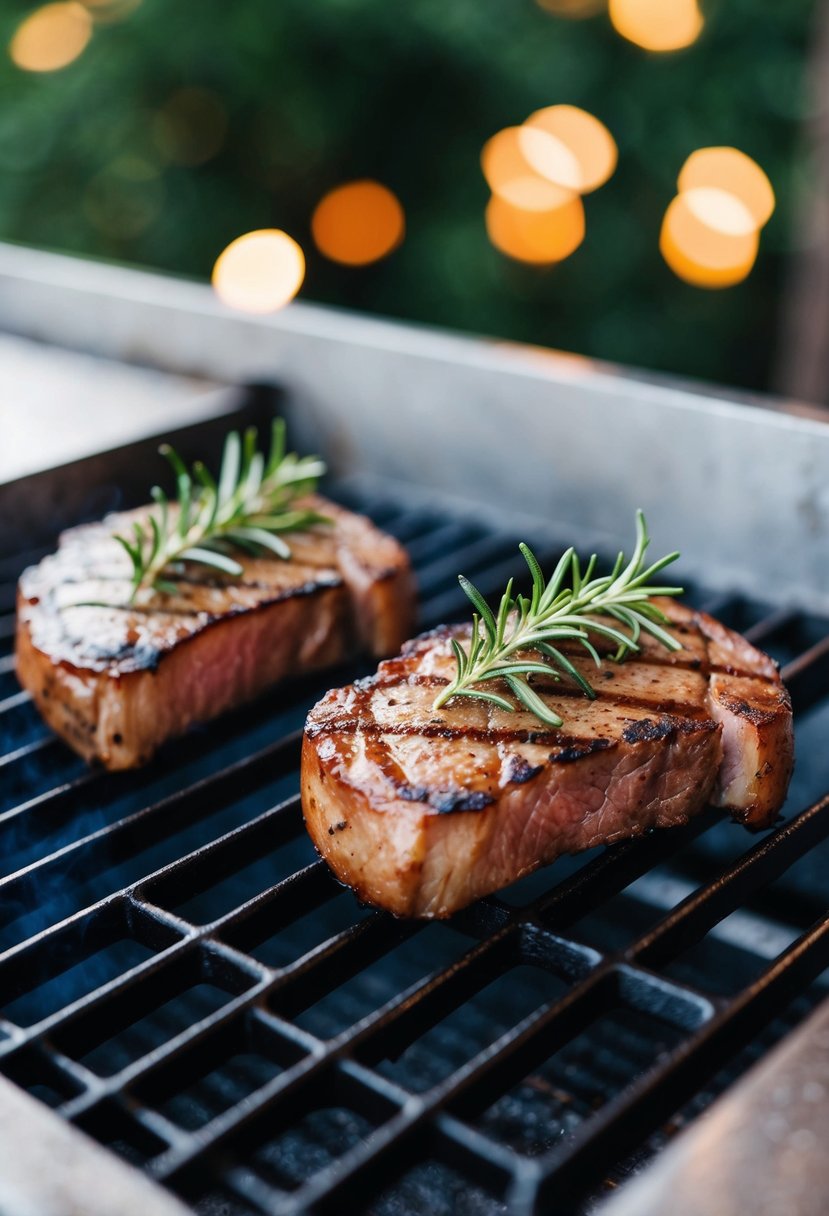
(254,1006)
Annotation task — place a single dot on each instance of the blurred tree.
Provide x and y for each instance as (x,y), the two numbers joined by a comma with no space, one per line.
(185,124)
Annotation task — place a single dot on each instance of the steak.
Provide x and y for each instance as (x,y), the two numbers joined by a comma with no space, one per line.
(116,682)
(421,812)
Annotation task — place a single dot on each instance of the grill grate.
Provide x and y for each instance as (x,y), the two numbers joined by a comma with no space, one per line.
(184,980)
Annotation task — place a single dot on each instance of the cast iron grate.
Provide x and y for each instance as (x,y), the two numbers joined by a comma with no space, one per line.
(183,979)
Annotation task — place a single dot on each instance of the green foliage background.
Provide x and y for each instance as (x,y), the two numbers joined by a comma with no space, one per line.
(314,92)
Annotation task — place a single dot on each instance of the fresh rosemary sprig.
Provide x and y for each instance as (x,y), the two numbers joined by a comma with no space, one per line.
(558,612)
(247,508)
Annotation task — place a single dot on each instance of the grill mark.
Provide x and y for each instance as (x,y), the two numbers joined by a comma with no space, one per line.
(705,667)
(420,681)
(607,696)
(215,584)
(379,753)
(756,714)
(131,658)
(278,594)
(147,653)
(701,667)
(520,771)
(445,800)
(650,730)
(439,730)
(146,611)
(569,754)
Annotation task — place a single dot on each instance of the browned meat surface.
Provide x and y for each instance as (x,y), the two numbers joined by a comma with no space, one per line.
(423,812)
(116,682)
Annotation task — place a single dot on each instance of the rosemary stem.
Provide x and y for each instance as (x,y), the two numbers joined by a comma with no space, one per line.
(249,506)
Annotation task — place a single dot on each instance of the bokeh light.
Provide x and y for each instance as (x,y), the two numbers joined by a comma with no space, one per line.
(731,170)
(51,37)
(537,173)
(587,140)
(538,237)
(260,271)
(709,238)
(720,210)
(657,25)
(530,168)
(358,223)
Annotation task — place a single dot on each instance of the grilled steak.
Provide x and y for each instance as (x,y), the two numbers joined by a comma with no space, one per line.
(423,812)
(116,682)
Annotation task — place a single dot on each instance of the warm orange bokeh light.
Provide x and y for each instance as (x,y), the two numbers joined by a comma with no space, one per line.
(720,210)
(529,168)
(587,140)
(709,238)
(539,237)
(731,170)
(51,37)
(358,223)
(260,271)
(657,25)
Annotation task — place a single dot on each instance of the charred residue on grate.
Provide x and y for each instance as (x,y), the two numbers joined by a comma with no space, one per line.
(185,980)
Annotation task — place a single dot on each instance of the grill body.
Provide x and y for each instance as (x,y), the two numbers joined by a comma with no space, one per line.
(184,981)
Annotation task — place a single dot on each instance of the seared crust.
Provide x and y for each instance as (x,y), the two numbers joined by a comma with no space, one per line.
(117,682)
(422,812)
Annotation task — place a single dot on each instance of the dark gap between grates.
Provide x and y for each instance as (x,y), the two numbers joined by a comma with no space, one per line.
(218,1201)
(247,881)
(284,943)
(63,987)
(450,1043)
(434,1187)
(619,921)
(134,1020)
(432,948)
(114,1128)
(39,764)
(527,890)
(326,1121)
(540,1111)
(227,1083)
(20,722)
(35,1071)
(731,958)
(313,1142)
(47,974)
(158,1026)
(9,686)
(215,1073)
